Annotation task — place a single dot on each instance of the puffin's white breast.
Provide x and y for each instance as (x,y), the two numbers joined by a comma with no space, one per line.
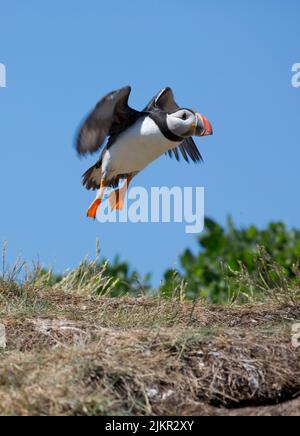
(135,148)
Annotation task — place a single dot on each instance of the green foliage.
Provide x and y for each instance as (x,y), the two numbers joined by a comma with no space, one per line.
(223,253)
(128,282)
(231,263)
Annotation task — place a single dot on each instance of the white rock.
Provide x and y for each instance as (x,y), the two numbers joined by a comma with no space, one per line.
(167,394)
(151,393)
(2,336)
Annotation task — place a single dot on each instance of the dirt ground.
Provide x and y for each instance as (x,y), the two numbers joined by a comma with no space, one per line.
(76,355)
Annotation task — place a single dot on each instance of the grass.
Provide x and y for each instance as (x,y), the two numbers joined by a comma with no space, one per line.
(72,349)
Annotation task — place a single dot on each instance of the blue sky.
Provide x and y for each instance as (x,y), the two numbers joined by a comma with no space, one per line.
(230,60)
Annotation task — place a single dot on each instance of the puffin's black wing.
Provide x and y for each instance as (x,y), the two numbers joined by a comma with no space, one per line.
(111,116)
(188,149)
(164,101)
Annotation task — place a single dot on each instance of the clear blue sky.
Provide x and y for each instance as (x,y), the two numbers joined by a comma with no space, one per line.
(230,60)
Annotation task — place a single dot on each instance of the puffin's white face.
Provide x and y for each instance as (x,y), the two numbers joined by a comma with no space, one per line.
(185,123)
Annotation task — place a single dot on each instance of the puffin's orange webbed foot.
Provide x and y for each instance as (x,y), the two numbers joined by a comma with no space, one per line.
(117,199)
(92,212)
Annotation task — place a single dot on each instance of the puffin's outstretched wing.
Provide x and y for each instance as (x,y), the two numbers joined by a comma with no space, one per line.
(111,115)
(165,101)
(188,149)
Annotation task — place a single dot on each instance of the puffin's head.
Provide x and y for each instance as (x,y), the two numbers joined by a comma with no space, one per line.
(185,123)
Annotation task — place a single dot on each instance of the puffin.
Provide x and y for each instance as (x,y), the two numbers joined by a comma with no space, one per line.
(131,140)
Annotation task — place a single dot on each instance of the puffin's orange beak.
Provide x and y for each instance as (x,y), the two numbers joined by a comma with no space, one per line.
(204,127)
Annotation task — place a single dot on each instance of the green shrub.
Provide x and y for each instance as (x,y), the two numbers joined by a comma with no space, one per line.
(225,252)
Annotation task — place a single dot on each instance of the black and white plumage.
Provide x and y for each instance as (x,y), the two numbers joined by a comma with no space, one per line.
(136,138)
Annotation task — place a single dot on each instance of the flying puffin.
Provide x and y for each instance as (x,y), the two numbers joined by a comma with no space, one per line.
(135,139)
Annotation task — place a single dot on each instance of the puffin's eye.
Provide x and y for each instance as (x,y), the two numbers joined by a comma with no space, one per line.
(184,116)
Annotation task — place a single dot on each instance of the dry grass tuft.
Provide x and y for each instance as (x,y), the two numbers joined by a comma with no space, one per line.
(72,352)
(77,355)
